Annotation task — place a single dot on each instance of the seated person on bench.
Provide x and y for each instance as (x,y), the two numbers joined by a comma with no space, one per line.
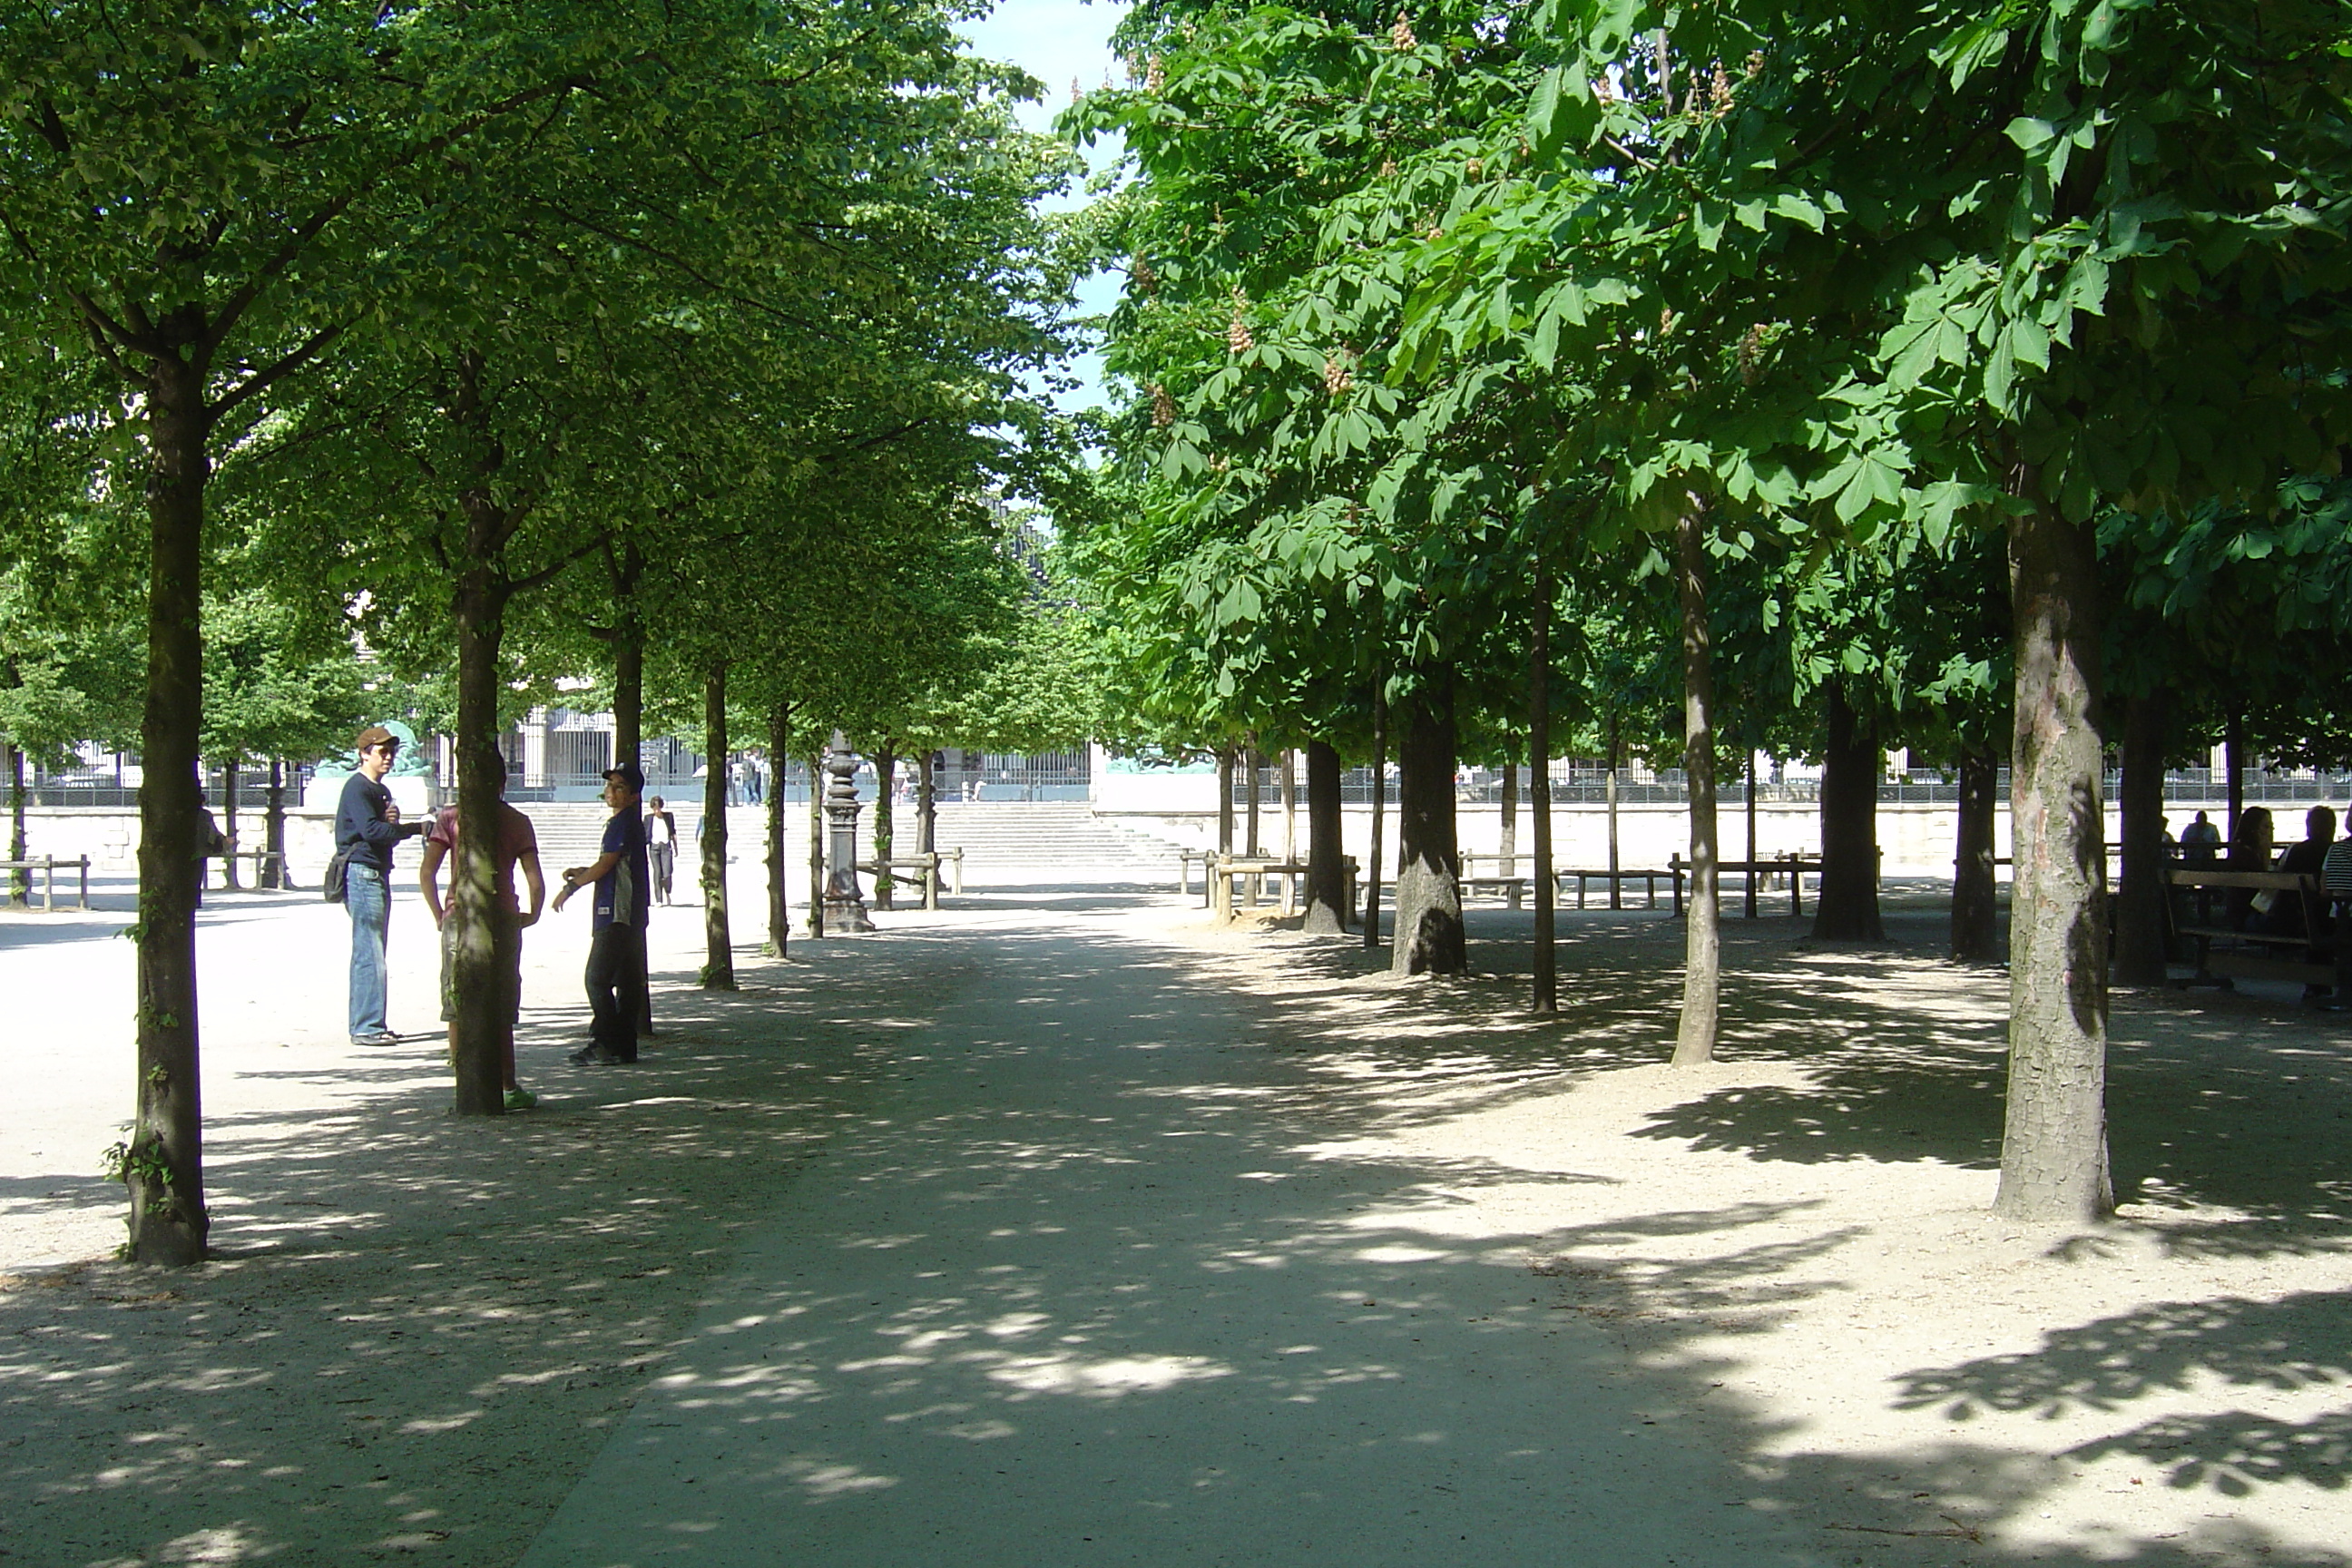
(2285,916)
(2250,850)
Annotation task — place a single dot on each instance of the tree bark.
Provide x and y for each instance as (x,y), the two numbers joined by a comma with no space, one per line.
(1747,882)
(927,825)
(2053,1156)
(718,942)
(1975,912)
(1703,952)
(780,912)
(20,881)
(230,766)
(2233,767)
(1616,894)
(1224,800)
(1510,839)
(1380,809)
(165,1157)
(885,774)
(485,941)
(816,842)
(626,565)
(1326,878)
(1289,787)
(1847,909)
(1546,998)
(273,830)
(1429,938)
(1254,763)
(2139,903)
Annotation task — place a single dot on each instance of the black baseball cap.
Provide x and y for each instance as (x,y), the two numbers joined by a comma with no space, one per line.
(630,774)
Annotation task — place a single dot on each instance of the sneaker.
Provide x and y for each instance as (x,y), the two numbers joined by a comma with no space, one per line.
(592,1057)
(520,1099)
(383,1038)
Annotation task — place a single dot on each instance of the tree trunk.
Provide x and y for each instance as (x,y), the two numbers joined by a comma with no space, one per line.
(1326,878)
(1616,894)
(1975,914)
(485,941)
(816,842)
(1546,998)
(885,774)
(273,830)
(1702,952)
(2233,767)
(2053,1154)
(1255,764)
(163,1163)
(1847,909)
(231,765)
(1510,839)
(780,912)
(1379,808)
(1224,800)
(628,565)
(927,825)
(1289,784)
(2140,907)
(20,881)
(1747,882)
(1429,939)
(719,943)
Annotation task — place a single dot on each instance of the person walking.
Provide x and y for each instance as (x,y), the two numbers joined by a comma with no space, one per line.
(517,845)
(661,845)
(367,830)
(616,968)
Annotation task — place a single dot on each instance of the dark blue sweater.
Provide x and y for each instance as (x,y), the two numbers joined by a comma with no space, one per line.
(359,825)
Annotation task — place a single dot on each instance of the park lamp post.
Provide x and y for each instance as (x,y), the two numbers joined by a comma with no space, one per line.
(845,906)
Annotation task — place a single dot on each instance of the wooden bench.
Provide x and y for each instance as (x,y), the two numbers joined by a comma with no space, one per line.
(2256,954)
(925,872)
(264,860)
(1648,879)
(48,866)
(1225,869)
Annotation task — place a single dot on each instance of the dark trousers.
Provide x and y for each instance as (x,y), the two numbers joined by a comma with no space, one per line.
(616,990)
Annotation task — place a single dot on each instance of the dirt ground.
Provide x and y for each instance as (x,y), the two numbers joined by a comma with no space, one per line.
(420,1333)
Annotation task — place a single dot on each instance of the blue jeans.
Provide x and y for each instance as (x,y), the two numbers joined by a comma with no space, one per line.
(368,896)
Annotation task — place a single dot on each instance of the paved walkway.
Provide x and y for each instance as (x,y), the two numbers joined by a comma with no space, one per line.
(1082,1291)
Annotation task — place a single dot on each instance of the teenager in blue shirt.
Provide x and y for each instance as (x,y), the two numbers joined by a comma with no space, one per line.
(367,830)
(616,966)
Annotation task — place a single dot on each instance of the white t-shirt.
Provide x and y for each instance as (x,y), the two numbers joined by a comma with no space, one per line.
(657,828)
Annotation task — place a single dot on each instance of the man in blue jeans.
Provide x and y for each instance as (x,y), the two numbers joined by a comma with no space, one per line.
(368,828)
(617,951)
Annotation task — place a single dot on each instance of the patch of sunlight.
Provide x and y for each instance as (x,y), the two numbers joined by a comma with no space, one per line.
(1398,1255)
(823,1483)
(1013,1325)
(1111,1378)
(222,1543)
(428,1423)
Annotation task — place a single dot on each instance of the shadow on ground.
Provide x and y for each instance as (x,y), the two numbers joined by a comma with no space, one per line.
(465,1310)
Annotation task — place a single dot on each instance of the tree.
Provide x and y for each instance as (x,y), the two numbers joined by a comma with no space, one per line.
(207,202)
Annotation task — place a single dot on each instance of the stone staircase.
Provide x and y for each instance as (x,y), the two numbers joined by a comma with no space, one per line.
(571,832)
(1024,841)
(1002,841)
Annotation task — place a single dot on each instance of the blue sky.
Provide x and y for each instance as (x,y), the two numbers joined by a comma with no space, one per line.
(1054,41)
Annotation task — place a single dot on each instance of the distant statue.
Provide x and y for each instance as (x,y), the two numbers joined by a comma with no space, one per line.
(411,762)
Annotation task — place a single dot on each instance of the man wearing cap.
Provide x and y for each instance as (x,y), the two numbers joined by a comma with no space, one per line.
(616,966)
(367,829)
